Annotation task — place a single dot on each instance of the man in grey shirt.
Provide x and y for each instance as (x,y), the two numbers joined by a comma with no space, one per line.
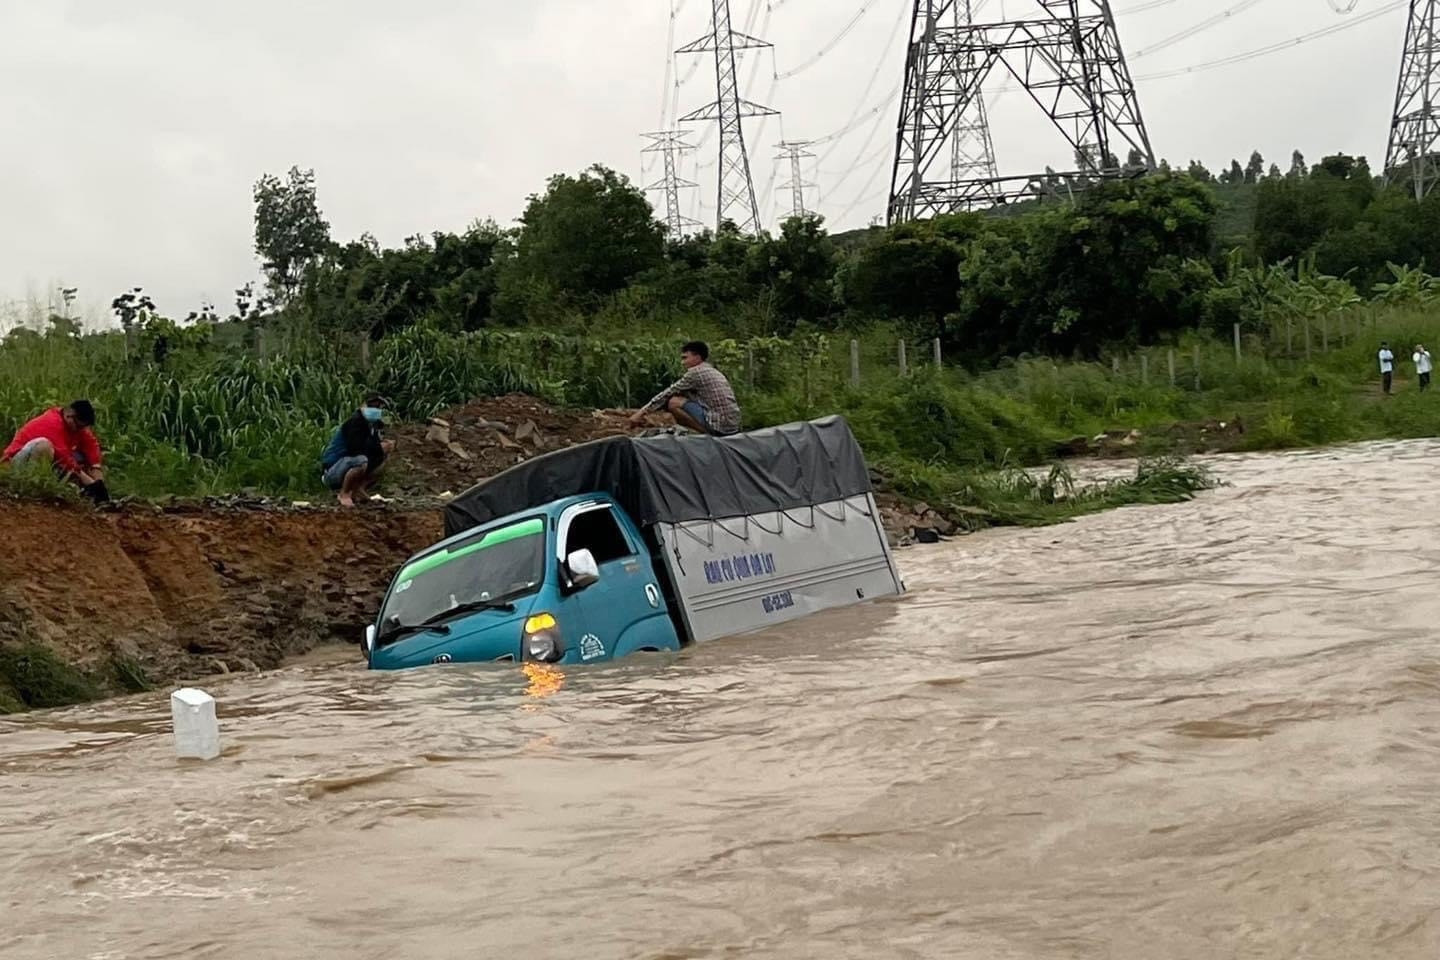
(701,399)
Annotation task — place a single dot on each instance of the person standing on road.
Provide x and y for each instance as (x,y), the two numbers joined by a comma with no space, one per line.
(1387,366)
(357,451)
(702,399)
(1423,366)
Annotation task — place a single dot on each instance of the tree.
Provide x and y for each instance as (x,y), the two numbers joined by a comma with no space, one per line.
(1294,214)
(1274,172)
(1234,175)
(912,273)
(799,266)
(1255,169)
(451,276)
(132,308)
(290,232)
(1298,170)
(583,239)
(1197,171)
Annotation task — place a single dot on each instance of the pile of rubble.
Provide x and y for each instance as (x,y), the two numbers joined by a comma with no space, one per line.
(461,446)
(1196,437)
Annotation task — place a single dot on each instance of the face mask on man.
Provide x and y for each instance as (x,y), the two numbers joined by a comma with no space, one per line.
(373,414)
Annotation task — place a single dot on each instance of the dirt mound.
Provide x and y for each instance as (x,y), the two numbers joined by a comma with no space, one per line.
(196,590)
(464,445)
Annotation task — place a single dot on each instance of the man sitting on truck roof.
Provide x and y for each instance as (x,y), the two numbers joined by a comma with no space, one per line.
(701,399)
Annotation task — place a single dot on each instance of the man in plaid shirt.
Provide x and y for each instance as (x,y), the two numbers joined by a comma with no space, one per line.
(701,399)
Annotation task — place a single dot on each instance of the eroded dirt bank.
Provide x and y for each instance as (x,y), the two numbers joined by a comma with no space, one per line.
(195,590)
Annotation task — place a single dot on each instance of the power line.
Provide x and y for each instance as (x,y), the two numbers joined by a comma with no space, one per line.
(1142,7)
(1276,47)
(1200,27)
(850,124)
(844,32)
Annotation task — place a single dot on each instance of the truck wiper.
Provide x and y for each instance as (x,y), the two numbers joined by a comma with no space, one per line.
(470,607)
(406,629)
(434,624)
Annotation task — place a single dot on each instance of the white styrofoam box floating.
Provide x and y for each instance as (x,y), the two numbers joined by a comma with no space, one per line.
(197,732)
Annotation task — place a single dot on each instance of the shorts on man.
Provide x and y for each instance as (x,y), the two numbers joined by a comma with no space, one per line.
(31,451)
(699,413)
(334,475)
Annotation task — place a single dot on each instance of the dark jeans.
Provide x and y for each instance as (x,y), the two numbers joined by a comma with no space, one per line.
(1386,379)
(1424,382)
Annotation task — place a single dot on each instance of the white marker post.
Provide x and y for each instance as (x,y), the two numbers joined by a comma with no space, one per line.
(197,732)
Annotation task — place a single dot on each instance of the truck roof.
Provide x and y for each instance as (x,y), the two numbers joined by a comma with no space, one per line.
(677,478)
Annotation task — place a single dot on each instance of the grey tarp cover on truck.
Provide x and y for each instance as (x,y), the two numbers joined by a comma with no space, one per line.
(678,478)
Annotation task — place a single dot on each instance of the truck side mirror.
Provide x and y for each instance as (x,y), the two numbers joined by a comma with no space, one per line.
(583,569)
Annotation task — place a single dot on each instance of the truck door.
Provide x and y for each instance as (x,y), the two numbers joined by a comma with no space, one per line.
(625,610)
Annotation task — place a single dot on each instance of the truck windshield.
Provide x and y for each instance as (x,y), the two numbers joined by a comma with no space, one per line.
(498,565)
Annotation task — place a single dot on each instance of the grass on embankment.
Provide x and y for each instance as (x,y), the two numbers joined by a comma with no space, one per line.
(214,420)
(34,677)
(1032,498)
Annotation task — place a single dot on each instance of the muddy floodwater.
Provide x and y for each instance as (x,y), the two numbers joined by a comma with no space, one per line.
(1205,730)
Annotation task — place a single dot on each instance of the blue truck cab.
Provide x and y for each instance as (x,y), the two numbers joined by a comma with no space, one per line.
(620,545)
(570,582)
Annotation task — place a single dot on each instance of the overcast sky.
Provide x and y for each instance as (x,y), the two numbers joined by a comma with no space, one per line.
(131,132)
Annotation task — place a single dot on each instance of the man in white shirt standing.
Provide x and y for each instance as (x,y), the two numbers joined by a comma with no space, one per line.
(1423,366)
(1387,366)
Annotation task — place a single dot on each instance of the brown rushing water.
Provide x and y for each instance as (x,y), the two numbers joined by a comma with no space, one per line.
(1205,730)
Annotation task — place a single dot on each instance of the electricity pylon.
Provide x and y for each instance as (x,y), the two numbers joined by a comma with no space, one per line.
(1415,126)
(972,151)
(736,201)
(1065,54)
(795,151)
(670,144)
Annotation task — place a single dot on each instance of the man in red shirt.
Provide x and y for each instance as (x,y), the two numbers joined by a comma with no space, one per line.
(62,437)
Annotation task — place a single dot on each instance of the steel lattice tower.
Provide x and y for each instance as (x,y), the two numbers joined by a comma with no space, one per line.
(670,144)
(795,151)
(737,188)
(972,152)
(1415,127)
(1066,55)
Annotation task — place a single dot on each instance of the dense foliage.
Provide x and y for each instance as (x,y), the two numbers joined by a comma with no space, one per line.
(585,300)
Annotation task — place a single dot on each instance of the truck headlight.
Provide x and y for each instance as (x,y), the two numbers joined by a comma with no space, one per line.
(542,639)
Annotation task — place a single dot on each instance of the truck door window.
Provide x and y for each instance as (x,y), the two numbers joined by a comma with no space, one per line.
(598,532)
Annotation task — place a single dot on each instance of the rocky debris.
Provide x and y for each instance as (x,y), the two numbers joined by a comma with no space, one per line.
(1192,437)
(527,432)
(463,445)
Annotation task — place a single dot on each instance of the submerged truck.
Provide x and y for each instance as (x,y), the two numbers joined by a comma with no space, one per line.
(641,544)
